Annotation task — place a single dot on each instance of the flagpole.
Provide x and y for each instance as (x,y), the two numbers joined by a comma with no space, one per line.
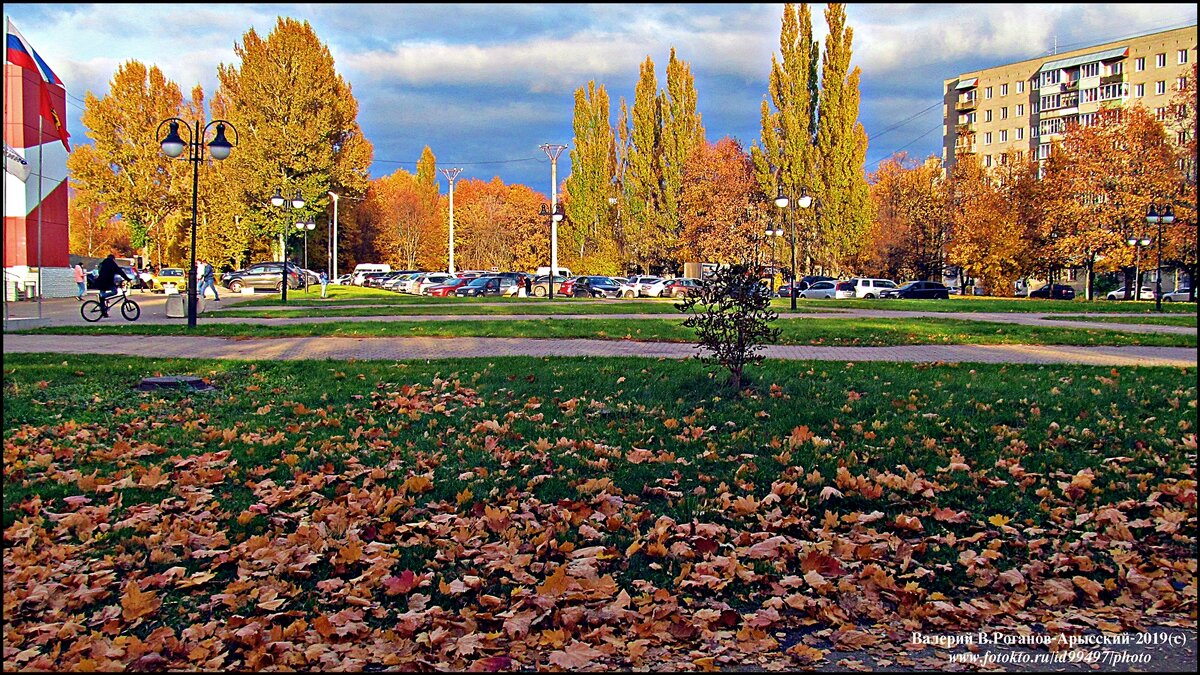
(41,170)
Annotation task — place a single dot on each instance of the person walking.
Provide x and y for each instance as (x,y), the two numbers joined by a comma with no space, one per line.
(324,279)
(106,280)
(80,281)
(208,280)
(528,286)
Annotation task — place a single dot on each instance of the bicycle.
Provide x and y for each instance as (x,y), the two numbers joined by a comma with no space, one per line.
(94,310)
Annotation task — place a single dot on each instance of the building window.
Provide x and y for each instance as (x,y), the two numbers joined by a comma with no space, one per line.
(1139,90)
(1181,137)
(987,93)
(1111,91)
(1051,77)
(1043,151)
(987,161)
(1004,111)
(1160,114)
(1182,56)
(987,115)
(1035,108)
(1089,95)
(1181,84)
(1160,87)
(1087,119)
(1021,87)
(1020,109)
(1020,133)
(987,138)
(1089,70)
(1139,64)
(1004,88)
(1004,135)
(1116,68)
(1160,60)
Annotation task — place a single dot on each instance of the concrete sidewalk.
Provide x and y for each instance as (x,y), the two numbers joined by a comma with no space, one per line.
(295,348)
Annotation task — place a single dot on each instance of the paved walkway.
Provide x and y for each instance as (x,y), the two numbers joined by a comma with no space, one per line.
(471,347)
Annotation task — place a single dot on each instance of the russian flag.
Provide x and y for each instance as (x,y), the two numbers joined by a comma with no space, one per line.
(20,53)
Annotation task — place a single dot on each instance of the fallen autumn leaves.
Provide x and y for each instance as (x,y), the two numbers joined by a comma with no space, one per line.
(406,519)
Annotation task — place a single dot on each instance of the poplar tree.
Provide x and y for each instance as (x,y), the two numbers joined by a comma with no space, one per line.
(298,127)
(844,212)
(682,133)
(589,224)
(646,237)
(787,158)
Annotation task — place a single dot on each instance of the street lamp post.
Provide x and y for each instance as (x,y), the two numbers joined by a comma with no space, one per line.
(774,233)
(297,202)
(555,217)
(305,226)
(1138,243)
(333,249)
(173,146)
(553,151)
(783,202)
(1153,217)
(450,175)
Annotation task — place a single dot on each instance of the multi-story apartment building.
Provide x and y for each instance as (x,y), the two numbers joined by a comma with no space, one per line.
(1004,113)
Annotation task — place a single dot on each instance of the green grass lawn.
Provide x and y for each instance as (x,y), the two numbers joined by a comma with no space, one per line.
(989,304)
(1157,320)
(800,331)
(518,513)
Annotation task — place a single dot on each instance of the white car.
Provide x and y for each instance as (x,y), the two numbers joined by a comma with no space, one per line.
(1177,295)
(628,288)
(870,288)
(651,287)
(821,290)
(1146,293)
(432,279)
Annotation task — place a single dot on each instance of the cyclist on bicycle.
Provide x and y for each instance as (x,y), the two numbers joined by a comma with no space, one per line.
(106,280)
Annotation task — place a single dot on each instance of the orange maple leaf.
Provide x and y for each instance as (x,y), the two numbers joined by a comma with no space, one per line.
(136,604)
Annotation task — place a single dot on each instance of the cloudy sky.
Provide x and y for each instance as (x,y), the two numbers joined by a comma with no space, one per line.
(485,84)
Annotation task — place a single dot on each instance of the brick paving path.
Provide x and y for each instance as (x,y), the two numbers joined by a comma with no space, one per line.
(468,347)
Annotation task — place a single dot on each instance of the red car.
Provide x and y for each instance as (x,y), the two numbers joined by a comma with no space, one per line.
(445,289)
(677,288)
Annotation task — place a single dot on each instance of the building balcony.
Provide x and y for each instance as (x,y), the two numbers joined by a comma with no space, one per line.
(1073,85)
(1112,79)
(968,104)
(964,129)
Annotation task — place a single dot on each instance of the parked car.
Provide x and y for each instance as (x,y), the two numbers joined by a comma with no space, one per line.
(343,280)
(642,285)
(261,275)
(1058,292)
(409,283)
(680,287)
(844,290)
(479,286)
(918,289)
(541,285)
(390,281)
(592,287)
(168,280)
(786,290)
(1179,295)
(870,288)
(1146,293)
(820,290)
(446,288)
(427,280)
(628,289)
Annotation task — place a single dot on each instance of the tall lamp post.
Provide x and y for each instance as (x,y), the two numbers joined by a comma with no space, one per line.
(782,201)
(1153,217)
(305,226)
(333,249)
(556,216)
(450,175)
(553,151)
(297,202)
(173,146)
(774,233)
(1138,244)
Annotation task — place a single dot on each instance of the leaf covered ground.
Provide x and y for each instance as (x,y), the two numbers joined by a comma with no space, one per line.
(582,513)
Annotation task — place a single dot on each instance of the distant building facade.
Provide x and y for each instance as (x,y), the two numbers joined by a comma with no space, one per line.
(1014,111)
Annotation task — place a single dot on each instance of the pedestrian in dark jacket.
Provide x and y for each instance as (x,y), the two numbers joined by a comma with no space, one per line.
(106,279)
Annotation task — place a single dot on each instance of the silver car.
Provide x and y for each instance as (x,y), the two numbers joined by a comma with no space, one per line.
(821,290)
(1178,295)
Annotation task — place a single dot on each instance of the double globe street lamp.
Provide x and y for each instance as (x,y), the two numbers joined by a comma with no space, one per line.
(782,202)
(296,202)
(173,146)
(1138,243)
(555,218)
(1155,217)
(305,226)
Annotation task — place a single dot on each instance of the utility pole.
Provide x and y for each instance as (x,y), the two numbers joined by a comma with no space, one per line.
(333,251)
(553,151)
(450,175)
